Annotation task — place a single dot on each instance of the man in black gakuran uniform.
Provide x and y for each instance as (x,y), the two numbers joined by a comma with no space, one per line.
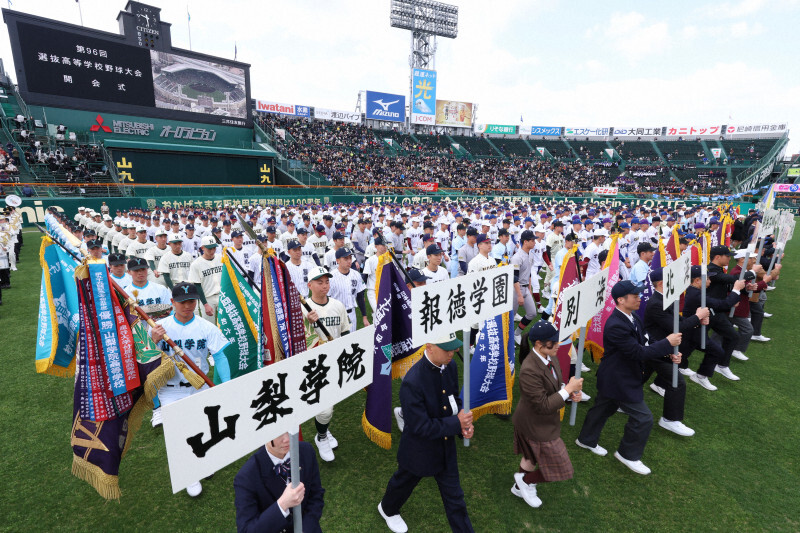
(431,405)
(720,287)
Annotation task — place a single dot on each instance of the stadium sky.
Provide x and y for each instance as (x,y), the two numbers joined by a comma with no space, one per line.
(553,62)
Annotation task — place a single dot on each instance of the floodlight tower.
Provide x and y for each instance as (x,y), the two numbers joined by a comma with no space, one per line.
(425,19)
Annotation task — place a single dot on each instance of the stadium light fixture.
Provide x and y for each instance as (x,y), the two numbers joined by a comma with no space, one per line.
(425,16)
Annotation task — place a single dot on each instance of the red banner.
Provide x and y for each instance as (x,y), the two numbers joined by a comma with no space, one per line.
(426,186)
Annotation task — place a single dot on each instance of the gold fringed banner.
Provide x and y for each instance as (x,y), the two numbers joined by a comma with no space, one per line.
(381,438)
(106,485)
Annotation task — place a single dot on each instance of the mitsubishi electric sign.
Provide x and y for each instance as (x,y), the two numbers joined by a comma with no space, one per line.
(385,106)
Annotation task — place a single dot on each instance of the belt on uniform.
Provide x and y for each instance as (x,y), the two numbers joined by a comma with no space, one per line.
(181,384)
(350,311)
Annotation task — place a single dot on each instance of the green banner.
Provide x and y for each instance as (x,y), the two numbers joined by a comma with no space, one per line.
(497,129)
(793,172)
(238,318)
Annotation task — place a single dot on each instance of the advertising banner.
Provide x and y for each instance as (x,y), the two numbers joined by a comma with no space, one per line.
(695,131)
(452,113)
(265,106)
(793,172)
(423,102)
(716,152)
(321,113)
(540,131)
(610,191)
(583,131)
(426,186)
(638,132)
(496,129)
(754,129)
(386,106)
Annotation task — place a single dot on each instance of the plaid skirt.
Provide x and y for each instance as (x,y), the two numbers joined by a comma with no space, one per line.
(551,457)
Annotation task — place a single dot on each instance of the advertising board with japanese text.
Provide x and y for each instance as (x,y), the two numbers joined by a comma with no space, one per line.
(452,113)
(423,96)
(211,429)
(458,303)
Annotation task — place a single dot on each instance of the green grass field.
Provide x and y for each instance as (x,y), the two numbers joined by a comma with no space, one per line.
(738,473)
(217,96)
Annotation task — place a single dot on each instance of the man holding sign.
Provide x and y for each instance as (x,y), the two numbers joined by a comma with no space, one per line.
(619,379)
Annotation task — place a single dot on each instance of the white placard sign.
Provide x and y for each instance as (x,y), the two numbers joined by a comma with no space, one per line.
(209,430)
(581,302)
(769,222)
(677,278)
(457,304)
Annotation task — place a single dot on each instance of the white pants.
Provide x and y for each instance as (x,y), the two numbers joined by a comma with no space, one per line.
(213,301)
(352,316)
(527,301)
(325,416)
(372,298)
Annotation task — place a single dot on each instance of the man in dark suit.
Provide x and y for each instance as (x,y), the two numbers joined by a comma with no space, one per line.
(264,495)
(658,323)
(719,288)
(715,358)
(620,378)
(431,403)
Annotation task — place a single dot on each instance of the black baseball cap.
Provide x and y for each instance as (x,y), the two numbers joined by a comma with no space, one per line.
(719,250)
(343,252)
(94,243)
(526,235)
(338,235)
(657,275)
(416,275)
(236,234)
(136,263)
(471,232)
(502,232)
(184,291)
(116,259)
(624,288)
(433,249)
(293,244)
(543,331)
(644,247)
(302,231)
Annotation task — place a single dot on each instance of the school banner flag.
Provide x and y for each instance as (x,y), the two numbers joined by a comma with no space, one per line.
(103,427)
(594,334)
(394,353)
(672,250)
(568,277)
(237,317)
(57,334)
(492,368)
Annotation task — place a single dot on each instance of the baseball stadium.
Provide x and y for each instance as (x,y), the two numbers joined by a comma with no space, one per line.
(222,310)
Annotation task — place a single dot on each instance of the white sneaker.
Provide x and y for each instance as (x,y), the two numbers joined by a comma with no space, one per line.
(767,315)
(585,397)
(542,309)
(517,336)
(597,450)
(637,466)
(726,371)
(517,317)
(739,355)
(332,440)
(760,338)
(395,523)
(619,410)
(525,491)
(156,421)
(398,415)
(325,450)
(771,288)
(658,390)
(703,381)
(688,372)
(676,426)
(585,368)
(194,489)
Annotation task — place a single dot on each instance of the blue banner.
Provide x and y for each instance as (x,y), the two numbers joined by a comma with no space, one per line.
(423,92)
(540,131)
(58,312)
(492,368)
(386,106)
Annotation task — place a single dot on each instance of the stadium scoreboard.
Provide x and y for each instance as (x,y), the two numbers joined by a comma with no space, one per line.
(136,72)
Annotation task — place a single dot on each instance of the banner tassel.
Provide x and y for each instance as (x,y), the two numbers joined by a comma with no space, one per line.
(381,438)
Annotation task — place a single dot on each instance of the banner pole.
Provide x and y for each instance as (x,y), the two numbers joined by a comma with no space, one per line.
(704,277)
(467,360)
(758,259)
(741,276)
(676,329)
(573,411)
(294,454)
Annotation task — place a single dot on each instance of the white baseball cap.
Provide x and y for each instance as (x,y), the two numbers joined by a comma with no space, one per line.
(318,272)
(160,231)
(175,238)
(208,242)
(601,232)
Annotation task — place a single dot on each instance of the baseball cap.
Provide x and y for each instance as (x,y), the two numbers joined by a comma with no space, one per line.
(270,229)
(697,271)
(116,259)
(293,244)
(136,263)
(318,272)
(175,238)
(601,232)
(471,231)
(184,291)
(433,249)
(189,227)
(338,235)
(160,231)
(481,238)
(719,250)
(543,331)
(94,243)
(302,231)
(624,288)
(416,275)
(208,242)
(502,232)
(448,342)
(236,234)
(644,247)
(740,254)
(657,275)
(343,252)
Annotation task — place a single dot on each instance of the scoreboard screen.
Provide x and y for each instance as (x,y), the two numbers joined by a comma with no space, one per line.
(63,65)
